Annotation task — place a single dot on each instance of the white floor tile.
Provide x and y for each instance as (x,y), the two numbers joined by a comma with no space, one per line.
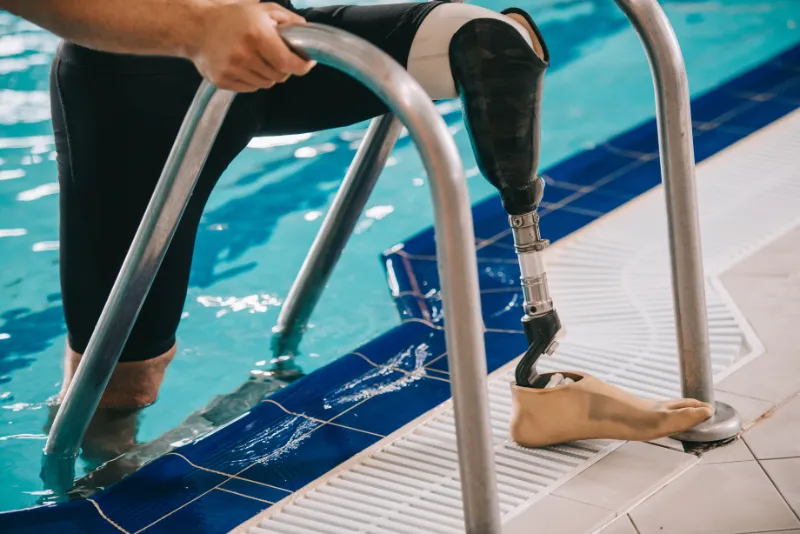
(625,475)
(622,525)
(729,498)
(777,436)
(785,474)
(749,409)
(556,515)
(732,452)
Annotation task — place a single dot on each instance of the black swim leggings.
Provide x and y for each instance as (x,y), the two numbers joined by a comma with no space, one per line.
(115,118)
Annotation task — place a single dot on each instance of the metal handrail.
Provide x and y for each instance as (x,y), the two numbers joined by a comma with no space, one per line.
(673,115)
(455,250)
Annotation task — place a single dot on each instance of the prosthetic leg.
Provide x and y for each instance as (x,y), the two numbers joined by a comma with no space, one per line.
(499,78)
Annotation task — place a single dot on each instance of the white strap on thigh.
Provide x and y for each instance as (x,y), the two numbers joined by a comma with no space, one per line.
(429,60)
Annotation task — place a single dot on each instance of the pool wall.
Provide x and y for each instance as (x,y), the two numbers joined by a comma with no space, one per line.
(313,425)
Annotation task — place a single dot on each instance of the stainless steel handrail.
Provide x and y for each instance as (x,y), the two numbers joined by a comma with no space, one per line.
(455,250)
(677,170)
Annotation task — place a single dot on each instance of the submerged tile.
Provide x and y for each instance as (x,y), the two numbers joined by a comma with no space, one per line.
(154,491)
(76,517)
(217,511)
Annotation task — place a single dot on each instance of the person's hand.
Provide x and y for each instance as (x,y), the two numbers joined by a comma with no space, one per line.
(240,48)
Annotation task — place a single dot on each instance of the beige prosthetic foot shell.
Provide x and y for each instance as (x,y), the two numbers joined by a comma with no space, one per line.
(592,409)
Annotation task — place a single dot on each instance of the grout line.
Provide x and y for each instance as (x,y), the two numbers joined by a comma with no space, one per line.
(774,485)
(245,496)
(412,374)
(321,421)
(184,505)
(412,278)
(628,515)
(222,473)
(423,321)
(104,516)
(503,331)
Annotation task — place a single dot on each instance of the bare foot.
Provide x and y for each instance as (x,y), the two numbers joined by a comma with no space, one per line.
(592,409)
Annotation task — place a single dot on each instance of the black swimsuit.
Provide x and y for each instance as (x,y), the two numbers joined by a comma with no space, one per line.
(115,118)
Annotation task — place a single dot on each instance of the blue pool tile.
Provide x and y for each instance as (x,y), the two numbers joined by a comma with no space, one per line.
(790,91)
(410,306)
(706,144)
(760,115)
(636,180)
(490,207)
(489,227)
(256,490)
(599,200)
(501,348)
(321,451)
(641,139)
(555,192)
(710,107)
(502,310)
(394,408)
(154,491)
(308,396)
(494,276)
(557,224)
(408,346)
(762,79)
(421,244)
(217,512)
(249,439)
(76,517)
(588,167)
(501,249)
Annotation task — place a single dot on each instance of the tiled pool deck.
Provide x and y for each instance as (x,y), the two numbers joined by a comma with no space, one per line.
(310,427)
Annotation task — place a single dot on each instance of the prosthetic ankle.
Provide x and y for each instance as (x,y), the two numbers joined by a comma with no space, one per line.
(499,78)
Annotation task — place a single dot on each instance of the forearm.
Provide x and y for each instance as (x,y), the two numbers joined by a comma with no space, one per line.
(151,27)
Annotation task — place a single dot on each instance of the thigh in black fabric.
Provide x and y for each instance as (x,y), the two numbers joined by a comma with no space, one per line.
(327,98)
(113,134)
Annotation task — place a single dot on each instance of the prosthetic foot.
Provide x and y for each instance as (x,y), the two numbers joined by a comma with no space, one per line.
(499,77)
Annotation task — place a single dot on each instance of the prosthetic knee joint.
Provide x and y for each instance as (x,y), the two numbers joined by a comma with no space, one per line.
(499,76)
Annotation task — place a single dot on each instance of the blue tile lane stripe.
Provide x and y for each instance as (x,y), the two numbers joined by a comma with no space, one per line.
(311,426)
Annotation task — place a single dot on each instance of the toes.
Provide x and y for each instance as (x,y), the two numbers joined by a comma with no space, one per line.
(698,415)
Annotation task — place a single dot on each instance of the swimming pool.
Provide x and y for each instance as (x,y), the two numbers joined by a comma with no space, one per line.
(270,202)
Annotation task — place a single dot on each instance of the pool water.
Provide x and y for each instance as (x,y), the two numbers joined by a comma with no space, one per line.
(268,206)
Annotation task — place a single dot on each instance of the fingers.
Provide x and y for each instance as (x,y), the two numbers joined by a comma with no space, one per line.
(274,50)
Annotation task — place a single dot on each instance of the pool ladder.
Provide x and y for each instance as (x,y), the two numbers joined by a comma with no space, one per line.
(455,247)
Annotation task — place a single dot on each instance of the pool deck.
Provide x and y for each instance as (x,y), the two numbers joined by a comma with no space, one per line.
(273,466)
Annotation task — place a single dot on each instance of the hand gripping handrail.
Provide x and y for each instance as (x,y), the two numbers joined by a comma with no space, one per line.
(677,171)
(455,250)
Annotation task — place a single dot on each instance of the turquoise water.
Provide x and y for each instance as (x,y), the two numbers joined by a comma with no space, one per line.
(269,204)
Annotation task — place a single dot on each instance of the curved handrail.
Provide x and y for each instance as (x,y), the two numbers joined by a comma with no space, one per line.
(455,250)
